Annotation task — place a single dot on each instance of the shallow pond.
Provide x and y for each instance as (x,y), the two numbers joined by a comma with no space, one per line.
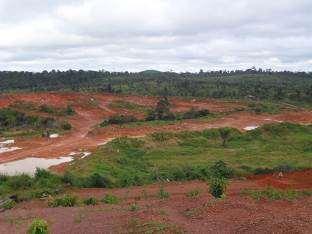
(29,165)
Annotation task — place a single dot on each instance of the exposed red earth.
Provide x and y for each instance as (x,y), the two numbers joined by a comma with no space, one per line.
(236,213)
(91,109)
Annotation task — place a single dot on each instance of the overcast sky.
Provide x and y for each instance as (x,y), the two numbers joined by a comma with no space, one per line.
(134,35)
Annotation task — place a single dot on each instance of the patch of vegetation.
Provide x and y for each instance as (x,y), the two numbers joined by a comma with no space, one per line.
(163,194)
(90,201)
(8,204)
(14,121)
(23,187)
(64,201)
(110,199)
(217,186)
(31,106)
(135,226)
(38,226)
(271,193)
(121,104)
(264,107)
(192,155)
(118,119)
(60,111)
(161,114)
(134,207)
(193,193)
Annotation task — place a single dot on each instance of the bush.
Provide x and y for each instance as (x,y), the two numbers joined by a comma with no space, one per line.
(42,173)
(97,181)
(90,201)
(110,199)
(119,119)
(193,114)
(22,181)
(8,204)
(38,226)
(225,135)
(162,194)
(65,201)
(221,170)
(134,207)
(66,126)
(193,193)
(217,187)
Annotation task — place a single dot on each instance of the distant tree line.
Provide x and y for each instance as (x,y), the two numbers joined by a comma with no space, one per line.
(252,83)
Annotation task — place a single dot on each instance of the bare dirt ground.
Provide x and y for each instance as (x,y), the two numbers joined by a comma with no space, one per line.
(203,214)
(91,109)
(236,213)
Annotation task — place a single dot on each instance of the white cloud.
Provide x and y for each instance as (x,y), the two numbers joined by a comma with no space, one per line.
(160,34)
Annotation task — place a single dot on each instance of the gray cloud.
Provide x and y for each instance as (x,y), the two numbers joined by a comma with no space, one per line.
(160,34)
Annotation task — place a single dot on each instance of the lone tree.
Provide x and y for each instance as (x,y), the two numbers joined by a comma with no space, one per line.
(225,134)
(161,111)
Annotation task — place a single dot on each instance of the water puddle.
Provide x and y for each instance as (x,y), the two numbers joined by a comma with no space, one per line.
(250,128)
(55,135)
(4,146)
(29,165)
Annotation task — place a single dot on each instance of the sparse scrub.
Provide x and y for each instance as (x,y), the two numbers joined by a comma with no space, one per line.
(225,134)
(38,226)
(118,119)
(221,170)
(9,204)
(110,199)
(163,194)
(217,187)
(193,193)
(90,201)
(64,201)
(271,193)
(135,226)
(134,207)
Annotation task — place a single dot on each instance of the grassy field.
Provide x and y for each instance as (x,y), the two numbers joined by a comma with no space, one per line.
(175,157)
(189,155)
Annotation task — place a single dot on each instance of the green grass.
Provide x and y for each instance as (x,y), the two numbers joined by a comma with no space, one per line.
(135,226)
(189,155)
(24,187)
(276,194)
(121,104)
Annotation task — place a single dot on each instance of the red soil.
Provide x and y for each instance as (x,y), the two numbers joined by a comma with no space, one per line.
(93,108)
(236,213)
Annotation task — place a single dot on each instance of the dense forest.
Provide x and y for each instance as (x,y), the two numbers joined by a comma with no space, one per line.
(255,84)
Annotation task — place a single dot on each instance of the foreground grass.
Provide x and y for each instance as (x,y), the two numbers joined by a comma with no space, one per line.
(189,155)
(277,194)
(174,157)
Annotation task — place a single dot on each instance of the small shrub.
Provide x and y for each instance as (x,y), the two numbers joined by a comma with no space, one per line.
(9,204)
(66,126)
(38,226)
(276,194)
(97,181)
(65,201)
(134,207)
(119,119)
(225,134)
(193,193)
(193,114)
(90,201)
(22,181)
(220,169)
(110,199)
(217,187)
(42,173)
(163,194)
